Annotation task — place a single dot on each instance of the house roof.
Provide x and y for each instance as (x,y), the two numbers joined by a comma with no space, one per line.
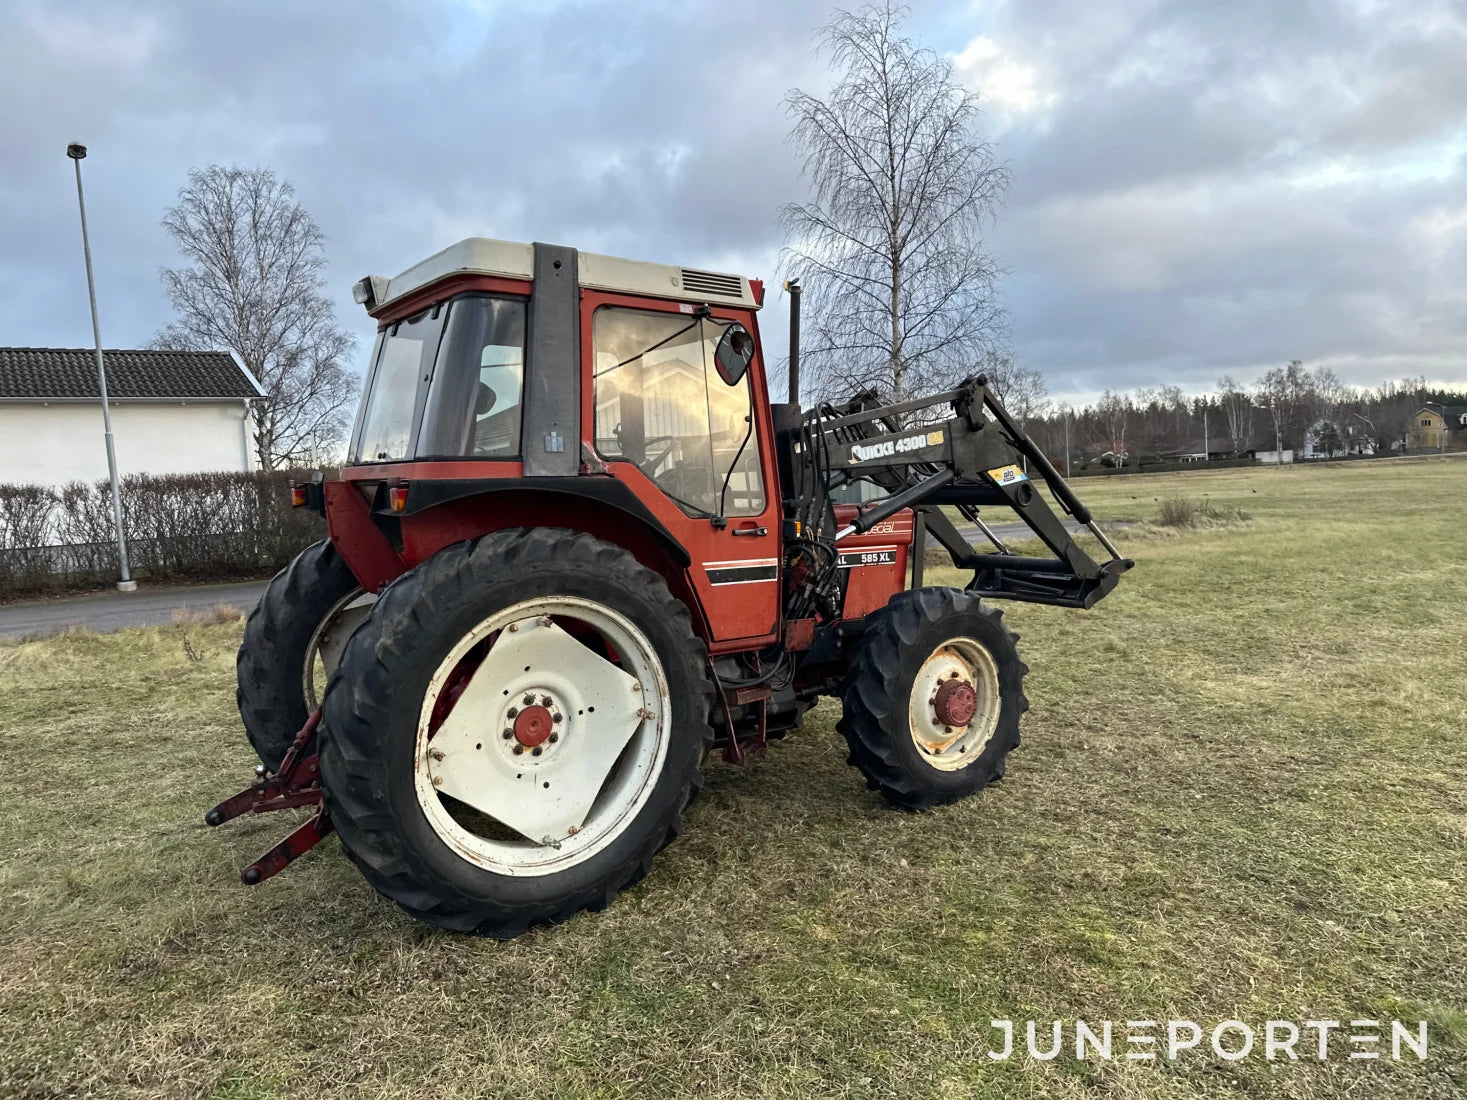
(1453,414)
(70,374)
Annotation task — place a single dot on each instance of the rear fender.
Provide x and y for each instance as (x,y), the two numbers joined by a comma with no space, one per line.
(425,531)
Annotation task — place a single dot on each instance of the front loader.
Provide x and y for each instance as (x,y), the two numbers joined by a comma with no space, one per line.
(575,547)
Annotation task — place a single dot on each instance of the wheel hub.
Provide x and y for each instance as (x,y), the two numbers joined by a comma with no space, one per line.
(532,726)
(956,702)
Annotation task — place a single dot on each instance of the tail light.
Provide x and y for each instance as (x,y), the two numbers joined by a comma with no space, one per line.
(397,498)
(298,497)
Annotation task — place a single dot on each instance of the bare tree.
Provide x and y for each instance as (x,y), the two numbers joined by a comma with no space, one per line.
(1022,389)
(1113,414)
(1237,404)
(1288,393)
(253,287)
(899,287)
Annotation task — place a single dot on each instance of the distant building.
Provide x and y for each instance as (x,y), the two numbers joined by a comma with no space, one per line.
(173,412)
(1274,458)
(1331,439)
(1436,428)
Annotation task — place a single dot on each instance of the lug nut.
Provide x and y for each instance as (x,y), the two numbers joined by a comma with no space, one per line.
(513,627)
(529,699)
(436,754)
(508,734)
(519,749)
(536,751)
(554,737)
(438,781)
(545,700)
(511,712)
(636,687)
(546,620)
(556,717)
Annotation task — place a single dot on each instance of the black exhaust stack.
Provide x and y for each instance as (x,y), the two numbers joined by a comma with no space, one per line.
(793,287)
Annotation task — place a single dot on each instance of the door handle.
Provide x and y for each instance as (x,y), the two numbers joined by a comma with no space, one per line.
(760,531)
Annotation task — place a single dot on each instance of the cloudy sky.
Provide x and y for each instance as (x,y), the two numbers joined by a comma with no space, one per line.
(1198,187)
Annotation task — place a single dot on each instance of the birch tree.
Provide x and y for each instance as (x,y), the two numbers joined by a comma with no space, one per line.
(253,285)
(1237,405)
(899,287)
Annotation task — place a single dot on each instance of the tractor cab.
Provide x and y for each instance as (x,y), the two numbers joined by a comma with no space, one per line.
(622,397)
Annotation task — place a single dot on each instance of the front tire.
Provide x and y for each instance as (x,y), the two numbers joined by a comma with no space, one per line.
(934,697)
(513,734)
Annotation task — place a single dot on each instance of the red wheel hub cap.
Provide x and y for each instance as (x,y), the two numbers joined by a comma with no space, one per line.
(956,702)
(532,726)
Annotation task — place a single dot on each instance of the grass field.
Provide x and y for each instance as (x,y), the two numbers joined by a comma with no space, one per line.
(1242,794)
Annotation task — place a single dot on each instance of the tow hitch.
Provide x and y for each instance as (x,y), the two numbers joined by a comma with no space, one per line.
(297,783)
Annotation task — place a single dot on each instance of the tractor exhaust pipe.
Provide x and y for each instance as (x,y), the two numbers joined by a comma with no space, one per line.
(792,286)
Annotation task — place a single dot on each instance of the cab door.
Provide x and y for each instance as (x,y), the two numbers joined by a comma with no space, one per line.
(697,451)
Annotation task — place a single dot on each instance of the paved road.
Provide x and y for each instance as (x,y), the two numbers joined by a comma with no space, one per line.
(105,611)
(1020,531)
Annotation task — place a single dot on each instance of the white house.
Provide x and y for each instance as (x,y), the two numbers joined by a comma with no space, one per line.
(173,412)
(1331,439)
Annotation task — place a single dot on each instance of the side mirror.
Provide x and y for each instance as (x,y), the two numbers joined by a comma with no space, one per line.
(485,400)
(734,353)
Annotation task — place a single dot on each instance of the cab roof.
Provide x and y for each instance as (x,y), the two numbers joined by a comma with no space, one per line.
(483,256)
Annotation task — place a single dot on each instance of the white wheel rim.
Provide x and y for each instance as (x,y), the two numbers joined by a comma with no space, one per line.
(595,770)
(330,638)
(945,746)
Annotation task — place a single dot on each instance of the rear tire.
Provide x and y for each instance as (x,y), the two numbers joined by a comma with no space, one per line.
(384,731)
(279,639)
(917,642)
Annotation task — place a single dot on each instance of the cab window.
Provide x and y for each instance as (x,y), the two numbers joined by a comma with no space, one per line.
(477,389)
(661,404)
(404,360)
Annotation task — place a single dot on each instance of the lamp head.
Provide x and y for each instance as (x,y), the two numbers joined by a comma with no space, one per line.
(76,150)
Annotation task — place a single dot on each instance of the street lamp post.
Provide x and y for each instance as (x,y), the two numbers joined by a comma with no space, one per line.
(1067,440)
(1278,442)
(1441,433)
(125,582)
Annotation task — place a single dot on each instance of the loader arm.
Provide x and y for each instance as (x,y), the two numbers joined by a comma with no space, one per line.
(971,460)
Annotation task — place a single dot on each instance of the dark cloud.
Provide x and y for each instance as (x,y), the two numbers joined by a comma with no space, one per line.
(1197,187)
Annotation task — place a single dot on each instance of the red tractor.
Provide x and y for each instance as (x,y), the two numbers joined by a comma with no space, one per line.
(575,547)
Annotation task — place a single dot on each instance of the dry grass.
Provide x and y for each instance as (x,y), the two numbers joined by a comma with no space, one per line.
(204,616)
(1240,795)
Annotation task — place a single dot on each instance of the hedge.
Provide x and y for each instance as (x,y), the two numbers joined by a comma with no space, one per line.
(179,527)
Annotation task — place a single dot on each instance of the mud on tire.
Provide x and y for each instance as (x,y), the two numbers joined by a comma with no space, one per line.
(375,702)
(897,641)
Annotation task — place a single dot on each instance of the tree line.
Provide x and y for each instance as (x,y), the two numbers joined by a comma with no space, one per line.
(1289,406)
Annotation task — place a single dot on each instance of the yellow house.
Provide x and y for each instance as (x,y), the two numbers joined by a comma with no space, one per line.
(1436,427)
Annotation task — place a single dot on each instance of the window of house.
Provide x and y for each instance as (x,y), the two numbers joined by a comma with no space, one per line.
(661,404)
(1426,422)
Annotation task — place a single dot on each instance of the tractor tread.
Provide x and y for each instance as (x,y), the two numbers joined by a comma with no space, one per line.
(272,654)
(874,722)
(358,710)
